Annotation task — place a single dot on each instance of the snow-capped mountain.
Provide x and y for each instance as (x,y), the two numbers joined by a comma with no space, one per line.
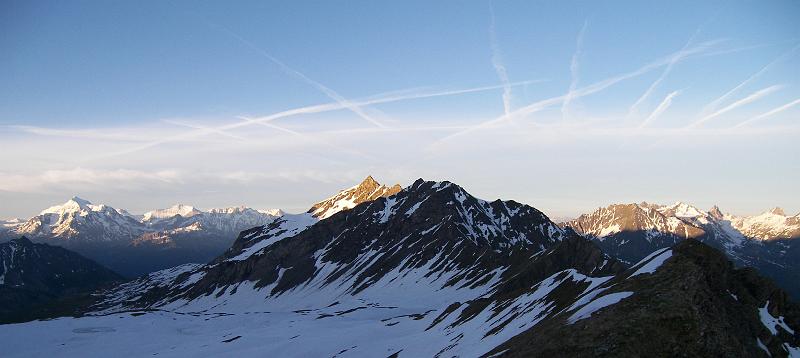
(430,272)
(8,226)
(79,218)
(289,225)
(630,232)
(134,245)
(32,275)
(770,225)
(183,219)
(176,210)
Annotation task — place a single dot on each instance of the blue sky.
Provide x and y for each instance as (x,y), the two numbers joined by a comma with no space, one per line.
(566,106)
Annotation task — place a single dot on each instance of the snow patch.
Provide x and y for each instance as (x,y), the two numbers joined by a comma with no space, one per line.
(654,262)
(597,304)
(771,322)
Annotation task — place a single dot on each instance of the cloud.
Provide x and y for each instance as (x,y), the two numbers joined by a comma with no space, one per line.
(157,138)
(87,178)
(755,96)
(95,179)
(312,138)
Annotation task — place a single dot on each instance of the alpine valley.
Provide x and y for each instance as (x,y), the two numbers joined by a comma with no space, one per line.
(427,271)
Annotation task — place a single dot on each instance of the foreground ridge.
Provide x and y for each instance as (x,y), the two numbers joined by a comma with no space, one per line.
(767,241)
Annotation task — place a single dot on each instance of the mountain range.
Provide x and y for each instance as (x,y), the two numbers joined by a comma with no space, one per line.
(766,241)
(133,245)
(430,270)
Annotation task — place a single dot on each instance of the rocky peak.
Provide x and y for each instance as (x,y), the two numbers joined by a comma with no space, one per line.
(682,210)
(716,213)
(777,211)
(367,190)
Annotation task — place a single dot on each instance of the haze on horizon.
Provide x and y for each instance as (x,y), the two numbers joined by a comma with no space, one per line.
(563,106)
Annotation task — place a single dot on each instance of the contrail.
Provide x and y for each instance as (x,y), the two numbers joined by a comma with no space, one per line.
(580,92)
(634,109)
(319,108)
(713,104)
(372,101)
(497,62)
(78,133)
(768,114)
(749,99)
(307,137)
(206,129)
(660,109)
(573,70)
(291,71)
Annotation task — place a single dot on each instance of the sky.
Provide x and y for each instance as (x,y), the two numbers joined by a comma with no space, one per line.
(563,105)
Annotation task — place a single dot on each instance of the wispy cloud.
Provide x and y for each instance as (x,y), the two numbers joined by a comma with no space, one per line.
(755,96)
(660,109)
(497,61)
(711,106)
(310,138)
(769,113)
(95,179)
(85,178)
(121,134)
(574,72)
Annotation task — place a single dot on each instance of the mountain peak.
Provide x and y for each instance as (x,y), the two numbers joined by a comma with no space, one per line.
(777,211)
(369,180)
(80,201)
(74,204)
(681,209)
(369,189)
(715,212)
(177,209)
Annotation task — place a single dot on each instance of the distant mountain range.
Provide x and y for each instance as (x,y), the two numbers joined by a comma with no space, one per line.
(133,245)
(767,241)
